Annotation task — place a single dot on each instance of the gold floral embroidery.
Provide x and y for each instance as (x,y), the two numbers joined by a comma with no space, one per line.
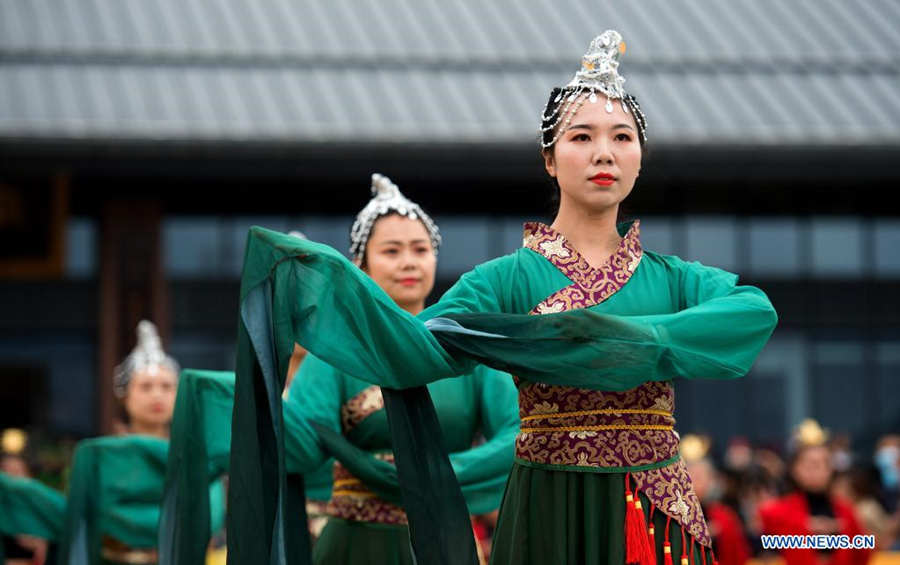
(590,286)
(554,308)
(361,406)
(679,507)
(541,409)
(555,248)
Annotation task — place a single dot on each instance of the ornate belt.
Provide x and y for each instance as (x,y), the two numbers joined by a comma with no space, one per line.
(584,430)
(352,500)
(114,550)
(570,429)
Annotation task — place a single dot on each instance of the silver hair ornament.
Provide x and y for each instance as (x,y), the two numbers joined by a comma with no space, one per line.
(387,199)
(147,356)
(599,74)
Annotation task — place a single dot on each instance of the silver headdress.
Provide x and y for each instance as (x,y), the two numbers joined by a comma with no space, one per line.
(147,355)
(599,74)
(387,199)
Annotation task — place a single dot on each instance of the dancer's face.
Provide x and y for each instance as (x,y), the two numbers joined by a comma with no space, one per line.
(150,397)
(400,258)
(596,142)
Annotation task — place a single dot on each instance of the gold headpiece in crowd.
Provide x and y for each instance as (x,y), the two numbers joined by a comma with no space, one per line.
(809,434)
(14,441)
(694,447)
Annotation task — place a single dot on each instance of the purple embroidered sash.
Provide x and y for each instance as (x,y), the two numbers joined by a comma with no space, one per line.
(350,498)
(601,431)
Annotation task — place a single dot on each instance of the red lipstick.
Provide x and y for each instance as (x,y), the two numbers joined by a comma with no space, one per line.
(603,179)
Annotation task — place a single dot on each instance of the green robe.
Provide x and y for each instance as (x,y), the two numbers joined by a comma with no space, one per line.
(31,508)
(482,403)
(673,319)
(115,490)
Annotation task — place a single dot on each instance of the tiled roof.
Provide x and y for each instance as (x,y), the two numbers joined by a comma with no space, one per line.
(706,71)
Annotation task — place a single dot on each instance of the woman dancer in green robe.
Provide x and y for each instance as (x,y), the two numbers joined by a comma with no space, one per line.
(116,482)
(595,327)
(396,243)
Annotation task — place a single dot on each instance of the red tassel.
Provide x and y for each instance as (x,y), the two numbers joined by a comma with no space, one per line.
(633,529)
(712,555)
(667,554)
(684,557)
(651,531)
(648,552)
(703,554)
(667,547)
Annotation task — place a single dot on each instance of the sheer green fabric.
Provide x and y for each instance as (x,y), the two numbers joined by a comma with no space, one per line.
(264,348)
(200,442)
(29,508)
(484,402)
(263,505)
(198,455)
(704,326)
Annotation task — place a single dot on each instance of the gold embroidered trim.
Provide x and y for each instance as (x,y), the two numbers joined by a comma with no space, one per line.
(353,494)
(597,428)
(345,482)
(363,404)
(549,415)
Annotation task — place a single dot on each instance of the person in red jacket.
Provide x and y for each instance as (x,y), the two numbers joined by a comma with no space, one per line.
(809,509)
(729,541)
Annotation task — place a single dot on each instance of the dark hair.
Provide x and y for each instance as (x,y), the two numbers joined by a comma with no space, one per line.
(548,132)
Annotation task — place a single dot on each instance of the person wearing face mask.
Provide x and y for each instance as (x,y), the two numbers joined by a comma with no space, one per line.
(809,509)
(887,460)
(596,329)
(395,243)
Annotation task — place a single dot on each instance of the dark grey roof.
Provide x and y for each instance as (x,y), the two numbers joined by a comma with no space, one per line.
(706,71)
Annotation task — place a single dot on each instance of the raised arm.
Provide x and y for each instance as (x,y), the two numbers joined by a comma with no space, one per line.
(718,333)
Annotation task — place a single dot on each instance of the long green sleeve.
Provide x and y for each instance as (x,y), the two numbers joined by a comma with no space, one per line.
(328,305)
(30,507)
(717,334)
(193,501)
(345,319)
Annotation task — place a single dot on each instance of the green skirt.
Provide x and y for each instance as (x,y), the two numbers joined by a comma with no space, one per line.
(569,518)
(345,542)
